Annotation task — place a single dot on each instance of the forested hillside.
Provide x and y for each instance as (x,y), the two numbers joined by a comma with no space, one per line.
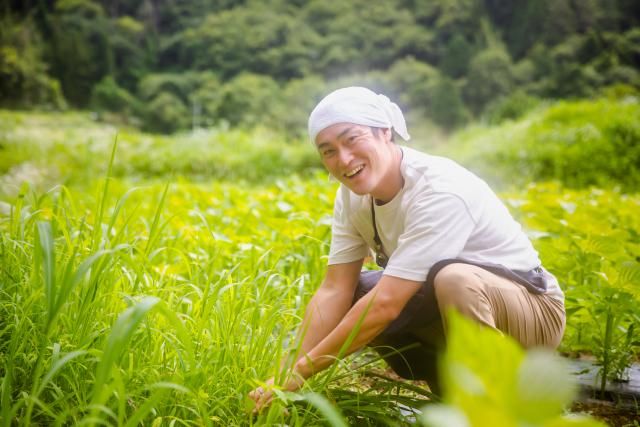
(168,65)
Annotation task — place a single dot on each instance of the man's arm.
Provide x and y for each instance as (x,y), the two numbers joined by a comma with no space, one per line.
(325,310)
(329,304)
(376,309)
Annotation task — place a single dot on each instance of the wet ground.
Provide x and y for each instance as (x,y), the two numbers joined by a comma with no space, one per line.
(620,404)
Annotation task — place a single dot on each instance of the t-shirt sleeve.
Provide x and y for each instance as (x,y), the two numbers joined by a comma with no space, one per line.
(347,245)
(437,227)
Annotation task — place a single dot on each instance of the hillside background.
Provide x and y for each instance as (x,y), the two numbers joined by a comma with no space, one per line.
(169,65)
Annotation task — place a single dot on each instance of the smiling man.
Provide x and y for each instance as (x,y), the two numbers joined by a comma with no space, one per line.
(441,236)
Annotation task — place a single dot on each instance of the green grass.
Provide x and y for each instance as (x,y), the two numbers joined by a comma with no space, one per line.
(71,148)
(158,303)
(130,295)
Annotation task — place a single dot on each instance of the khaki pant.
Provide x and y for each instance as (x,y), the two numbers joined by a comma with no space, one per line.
(534,320)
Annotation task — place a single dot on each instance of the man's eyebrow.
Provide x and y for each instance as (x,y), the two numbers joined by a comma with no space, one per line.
(322,145)
(347,130)
(340,135)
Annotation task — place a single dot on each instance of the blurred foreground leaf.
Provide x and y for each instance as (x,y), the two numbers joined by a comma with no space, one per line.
(488,379)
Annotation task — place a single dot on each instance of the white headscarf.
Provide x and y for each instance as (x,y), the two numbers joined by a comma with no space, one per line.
(357,105)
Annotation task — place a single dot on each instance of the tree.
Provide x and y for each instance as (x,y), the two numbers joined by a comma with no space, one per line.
(24,81)
(166,113)
(299,97)
(130,55)
(446,107)
(107,95)
(411,80)
(490,76)
(185,98)
(80,51)
(248,99)
(245,39)
(456,55)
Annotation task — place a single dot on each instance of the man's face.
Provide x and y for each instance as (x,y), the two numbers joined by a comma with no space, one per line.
(356,156)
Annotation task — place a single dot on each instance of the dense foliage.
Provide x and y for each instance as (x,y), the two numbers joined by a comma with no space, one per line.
(490,380)
(577,143)
(73,149)
(127,299)
(174,65)
(590,239)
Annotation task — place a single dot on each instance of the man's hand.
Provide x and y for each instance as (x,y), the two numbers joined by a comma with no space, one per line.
(263,395)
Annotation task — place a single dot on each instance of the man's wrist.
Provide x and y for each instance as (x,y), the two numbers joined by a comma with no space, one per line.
(303,368)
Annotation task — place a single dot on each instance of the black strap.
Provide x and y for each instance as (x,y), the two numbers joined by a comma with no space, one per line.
(381,258)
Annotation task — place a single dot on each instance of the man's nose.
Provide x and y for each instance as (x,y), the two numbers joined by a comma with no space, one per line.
(344,157)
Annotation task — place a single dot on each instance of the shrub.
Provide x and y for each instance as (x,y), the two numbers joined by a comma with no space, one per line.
(578,143)
(166,113)
(490,76)
(206,99)
(109,96)
(585,143)
(24,81)
(248,99)
(411,78)
(182,97)
(511,107)
(446,108)
(179,85)
(299,97)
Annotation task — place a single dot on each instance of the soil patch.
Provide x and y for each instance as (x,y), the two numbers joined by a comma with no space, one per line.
(612,414)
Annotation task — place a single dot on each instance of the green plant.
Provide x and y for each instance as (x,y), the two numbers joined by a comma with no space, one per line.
(590,241)
(489,380)
(177,298)
(579,143)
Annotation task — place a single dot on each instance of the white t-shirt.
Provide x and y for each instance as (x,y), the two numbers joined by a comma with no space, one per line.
(443,211)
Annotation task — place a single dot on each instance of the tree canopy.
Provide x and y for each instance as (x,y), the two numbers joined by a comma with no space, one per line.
(173,64)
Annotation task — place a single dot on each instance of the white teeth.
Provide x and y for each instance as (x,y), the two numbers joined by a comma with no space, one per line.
(354,171)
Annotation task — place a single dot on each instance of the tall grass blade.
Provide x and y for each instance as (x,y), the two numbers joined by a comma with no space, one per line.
(159,391)
(59,364)
(181,332)
(345,347)
(97,226)
(46,258)
(69,283)
(5,394)
(330,413)
(155,227)
(121,333)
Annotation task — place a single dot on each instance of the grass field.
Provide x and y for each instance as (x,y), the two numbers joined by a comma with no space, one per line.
(157,280)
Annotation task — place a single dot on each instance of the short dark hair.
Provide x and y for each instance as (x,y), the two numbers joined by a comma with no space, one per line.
(376,132)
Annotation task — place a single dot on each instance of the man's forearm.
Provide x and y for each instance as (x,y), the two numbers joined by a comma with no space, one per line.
(324,312)
(366,320)
(373,317)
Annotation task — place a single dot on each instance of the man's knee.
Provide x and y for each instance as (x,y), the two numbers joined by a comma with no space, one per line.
(457,285)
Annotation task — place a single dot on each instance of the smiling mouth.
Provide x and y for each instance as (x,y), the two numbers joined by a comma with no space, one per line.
(353,172)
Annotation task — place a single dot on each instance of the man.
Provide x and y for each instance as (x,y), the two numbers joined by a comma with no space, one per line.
(442,236)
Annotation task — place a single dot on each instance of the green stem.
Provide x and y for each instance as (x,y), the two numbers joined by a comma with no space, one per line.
(608,333)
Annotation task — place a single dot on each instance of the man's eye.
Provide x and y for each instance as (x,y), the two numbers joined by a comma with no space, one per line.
(328,152)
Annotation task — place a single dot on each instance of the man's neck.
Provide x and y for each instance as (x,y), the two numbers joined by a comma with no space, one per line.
(393,181)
